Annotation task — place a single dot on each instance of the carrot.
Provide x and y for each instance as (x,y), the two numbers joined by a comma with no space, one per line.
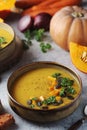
(63,3)
(26,3)
(50,6)
(47,2)
(46,10)
(43,4)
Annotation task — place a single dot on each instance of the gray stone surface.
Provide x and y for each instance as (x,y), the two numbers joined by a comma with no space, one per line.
(34,54)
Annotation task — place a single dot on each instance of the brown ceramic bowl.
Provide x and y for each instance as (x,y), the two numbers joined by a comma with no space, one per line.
(42,115)
(8,50)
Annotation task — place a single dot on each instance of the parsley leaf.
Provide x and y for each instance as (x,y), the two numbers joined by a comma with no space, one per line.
(56,75)
(38,36)
(27,41)
(66,82)
(50,100)
(45,47)
(2,40)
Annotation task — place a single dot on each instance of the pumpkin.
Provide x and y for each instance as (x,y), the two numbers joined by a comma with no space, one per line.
(69,24)
(78,55)
(5,7)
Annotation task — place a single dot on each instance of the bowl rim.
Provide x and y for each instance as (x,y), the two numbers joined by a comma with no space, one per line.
(10,33)
(45,110)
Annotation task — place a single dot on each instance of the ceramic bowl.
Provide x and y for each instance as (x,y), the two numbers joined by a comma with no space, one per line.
(42,115)
(8,50)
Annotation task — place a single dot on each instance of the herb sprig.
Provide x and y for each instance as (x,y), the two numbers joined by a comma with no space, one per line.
(38,36)
(27,41)
(2,41)
(45,47)
(50,100)
(66,85)
(56,75)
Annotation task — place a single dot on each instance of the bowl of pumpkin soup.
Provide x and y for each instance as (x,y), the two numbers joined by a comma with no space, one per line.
(7,41)
(44,91)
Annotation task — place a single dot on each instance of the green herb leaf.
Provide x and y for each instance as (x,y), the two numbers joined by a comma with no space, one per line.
(32,106)
(70,90)
(62,92)
(27,35)
(48,46)
(34,98)
(50,100)
(26,44)
(38,34)
(2,40)
(56,75)
(42,44)
(45,47)
(27,41)
(66,82)
(65,91)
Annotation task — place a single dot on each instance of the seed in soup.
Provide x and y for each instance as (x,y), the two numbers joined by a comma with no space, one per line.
(45,88)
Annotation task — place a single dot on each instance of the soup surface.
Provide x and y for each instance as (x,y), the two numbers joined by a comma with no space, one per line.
(44,88)
(5,38)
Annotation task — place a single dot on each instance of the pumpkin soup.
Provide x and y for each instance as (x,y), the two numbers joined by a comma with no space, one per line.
(5,38)
(45,88)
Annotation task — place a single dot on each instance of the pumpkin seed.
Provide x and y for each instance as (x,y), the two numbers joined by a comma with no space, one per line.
(84,56)
(77,14)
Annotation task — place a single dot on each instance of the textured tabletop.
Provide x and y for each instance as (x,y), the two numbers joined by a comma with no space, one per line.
(34,54)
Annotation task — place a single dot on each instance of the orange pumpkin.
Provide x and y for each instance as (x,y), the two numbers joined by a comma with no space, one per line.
(78,55)
(5,7)
(69,24)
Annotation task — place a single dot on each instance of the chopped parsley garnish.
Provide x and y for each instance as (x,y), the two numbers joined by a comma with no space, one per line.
(66,85)
(32,106)
(2,41)
(66,82)
(61,87)
(45,47)
(50,100)
(34,98)
(27,41)
(56,75)
(38,36)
